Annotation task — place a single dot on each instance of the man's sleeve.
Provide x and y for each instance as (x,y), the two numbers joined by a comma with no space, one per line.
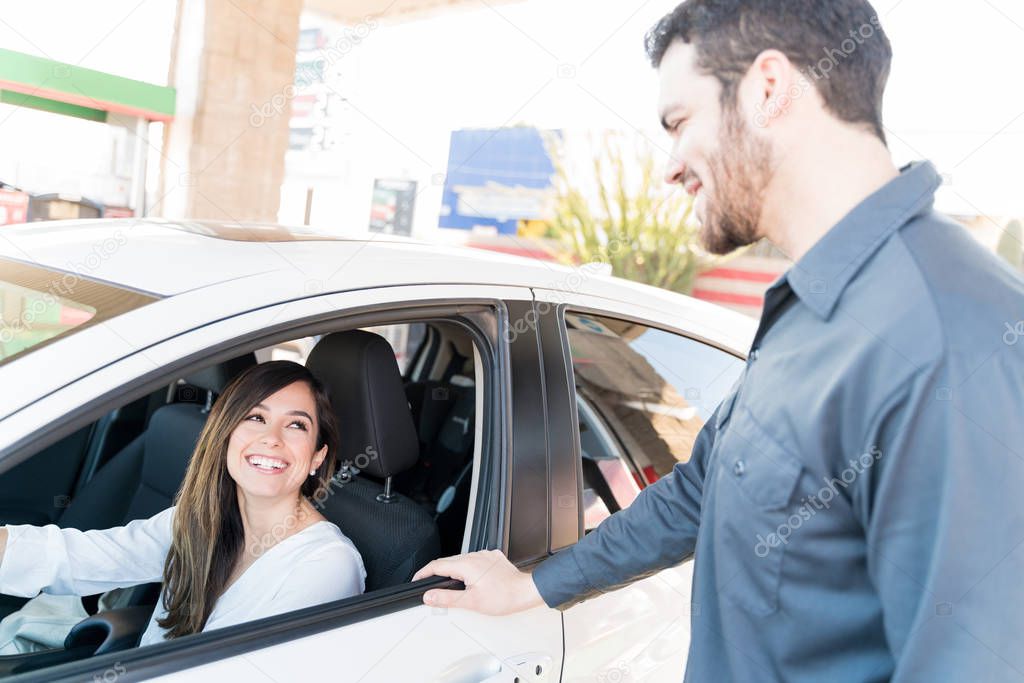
(657,531)
(944,524)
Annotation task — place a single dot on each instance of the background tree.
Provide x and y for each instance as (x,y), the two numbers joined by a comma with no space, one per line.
(612,206)
(1009,246)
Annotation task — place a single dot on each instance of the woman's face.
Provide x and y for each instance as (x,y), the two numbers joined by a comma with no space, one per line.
(273,448)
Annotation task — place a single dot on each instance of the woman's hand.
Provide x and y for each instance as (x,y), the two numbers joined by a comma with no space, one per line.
(493,584)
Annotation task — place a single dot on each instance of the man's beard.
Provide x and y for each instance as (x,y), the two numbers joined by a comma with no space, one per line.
(740,175)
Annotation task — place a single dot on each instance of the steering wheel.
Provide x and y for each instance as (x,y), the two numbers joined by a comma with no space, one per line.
(103,632)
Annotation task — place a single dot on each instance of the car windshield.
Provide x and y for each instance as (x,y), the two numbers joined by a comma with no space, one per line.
(38,305)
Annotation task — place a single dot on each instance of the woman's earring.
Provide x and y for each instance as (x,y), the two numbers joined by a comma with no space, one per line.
(312,472)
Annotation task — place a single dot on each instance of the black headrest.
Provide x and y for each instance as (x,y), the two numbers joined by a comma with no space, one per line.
(362,377)
(171,436)
(216,377)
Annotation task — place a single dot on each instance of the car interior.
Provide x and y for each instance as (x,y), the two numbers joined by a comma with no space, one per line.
(405,398)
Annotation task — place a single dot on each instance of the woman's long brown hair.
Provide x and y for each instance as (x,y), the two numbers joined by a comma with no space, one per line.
(207,536)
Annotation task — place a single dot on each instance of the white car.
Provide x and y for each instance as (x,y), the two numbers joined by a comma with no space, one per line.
(542,399)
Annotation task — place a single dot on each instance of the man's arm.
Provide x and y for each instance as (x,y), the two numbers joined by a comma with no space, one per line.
(658,530)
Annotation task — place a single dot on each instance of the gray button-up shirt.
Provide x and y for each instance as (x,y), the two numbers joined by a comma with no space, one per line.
(854,505)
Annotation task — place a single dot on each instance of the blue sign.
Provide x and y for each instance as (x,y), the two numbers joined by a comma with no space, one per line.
(496,178)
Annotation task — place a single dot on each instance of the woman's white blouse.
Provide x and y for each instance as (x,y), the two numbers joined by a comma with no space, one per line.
(316,565)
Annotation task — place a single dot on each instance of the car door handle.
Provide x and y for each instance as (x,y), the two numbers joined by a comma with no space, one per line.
(532,667)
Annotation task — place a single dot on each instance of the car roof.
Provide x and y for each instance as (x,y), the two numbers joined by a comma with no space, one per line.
(163,257)
(171,257)
(167,258)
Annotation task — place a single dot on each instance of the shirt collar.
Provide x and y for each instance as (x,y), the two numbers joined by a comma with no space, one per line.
(824,272)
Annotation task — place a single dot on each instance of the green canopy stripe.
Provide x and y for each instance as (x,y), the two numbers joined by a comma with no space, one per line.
(86,89)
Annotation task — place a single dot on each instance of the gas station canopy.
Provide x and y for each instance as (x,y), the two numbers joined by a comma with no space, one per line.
(60,88)
(29,81)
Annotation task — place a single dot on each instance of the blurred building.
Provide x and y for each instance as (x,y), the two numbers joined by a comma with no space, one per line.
(252,88)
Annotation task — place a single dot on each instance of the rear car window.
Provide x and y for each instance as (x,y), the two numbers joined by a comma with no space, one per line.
(39,305)
(642,396)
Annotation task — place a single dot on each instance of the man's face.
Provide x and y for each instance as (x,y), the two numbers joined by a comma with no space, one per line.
(716,156)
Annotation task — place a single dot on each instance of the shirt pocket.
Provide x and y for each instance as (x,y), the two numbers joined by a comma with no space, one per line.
(755,480)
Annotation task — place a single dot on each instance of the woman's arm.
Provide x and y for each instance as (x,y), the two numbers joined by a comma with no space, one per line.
(59,561)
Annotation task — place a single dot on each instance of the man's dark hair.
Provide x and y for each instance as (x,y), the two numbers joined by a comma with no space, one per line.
(839,45)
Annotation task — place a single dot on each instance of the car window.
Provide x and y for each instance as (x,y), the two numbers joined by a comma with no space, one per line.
(642,396)
(37,305)
(431,505)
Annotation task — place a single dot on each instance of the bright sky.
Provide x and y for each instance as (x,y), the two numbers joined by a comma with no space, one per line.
(954,95)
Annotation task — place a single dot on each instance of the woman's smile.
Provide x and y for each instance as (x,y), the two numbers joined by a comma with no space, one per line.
(266,464)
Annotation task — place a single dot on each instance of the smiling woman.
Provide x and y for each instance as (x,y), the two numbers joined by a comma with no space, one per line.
(241,542)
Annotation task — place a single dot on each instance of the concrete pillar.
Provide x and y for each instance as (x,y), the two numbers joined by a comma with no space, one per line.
(233,65)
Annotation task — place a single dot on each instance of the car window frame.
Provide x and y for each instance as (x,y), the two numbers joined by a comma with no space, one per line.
(552,307)
(491,513)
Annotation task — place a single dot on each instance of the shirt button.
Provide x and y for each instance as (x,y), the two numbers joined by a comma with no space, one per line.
(754,354)
(739,468)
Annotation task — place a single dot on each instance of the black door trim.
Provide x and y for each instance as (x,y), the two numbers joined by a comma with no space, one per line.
(528,521)
(566,501)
